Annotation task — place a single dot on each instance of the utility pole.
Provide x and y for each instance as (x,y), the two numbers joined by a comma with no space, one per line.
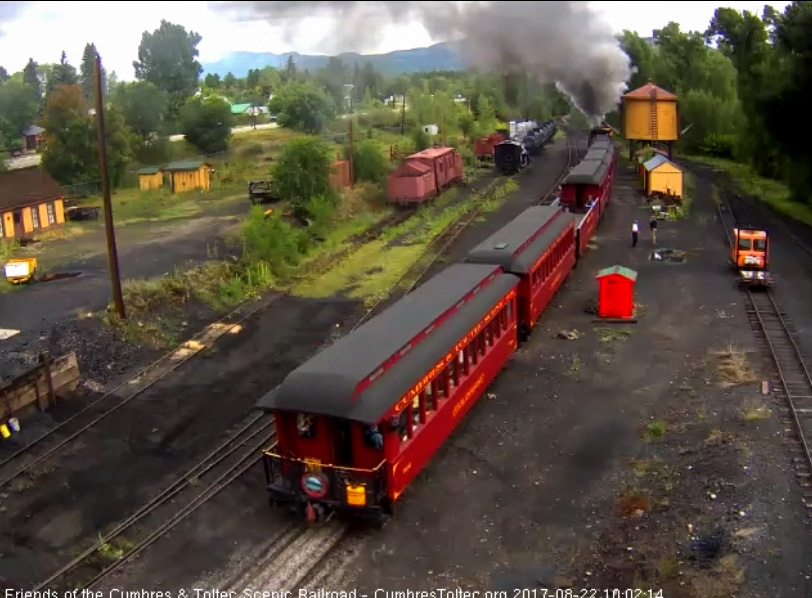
(352,155)
(442,125)
(403,112)
(112,254)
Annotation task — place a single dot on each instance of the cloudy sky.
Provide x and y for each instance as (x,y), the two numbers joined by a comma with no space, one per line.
(41,30)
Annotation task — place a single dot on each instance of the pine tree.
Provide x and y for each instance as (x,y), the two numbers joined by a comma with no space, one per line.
(31,76)
(87,72)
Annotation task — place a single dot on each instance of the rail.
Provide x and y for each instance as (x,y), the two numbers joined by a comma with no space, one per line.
(768,321)
(99,409)
(222,457)
(551,197)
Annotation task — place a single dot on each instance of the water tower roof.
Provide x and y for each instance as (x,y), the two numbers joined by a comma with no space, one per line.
(647,91)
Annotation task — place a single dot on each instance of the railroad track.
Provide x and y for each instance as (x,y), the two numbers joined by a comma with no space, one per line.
(194,488)
(305,546)
(35,453)
(550,197)
(793,380)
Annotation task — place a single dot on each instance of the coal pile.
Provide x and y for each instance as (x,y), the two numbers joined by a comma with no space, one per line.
(102,355)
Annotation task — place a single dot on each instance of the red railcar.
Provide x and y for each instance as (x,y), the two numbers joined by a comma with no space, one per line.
(357,422)
(361,419)
(538,246)
(585,225)
(424,175)
(483,147)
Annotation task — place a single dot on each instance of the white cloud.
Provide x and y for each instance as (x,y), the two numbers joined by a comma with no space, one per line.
(41,30)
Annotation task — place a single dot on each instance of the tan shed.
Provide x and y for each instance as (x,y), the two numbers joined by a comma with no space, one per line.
(150,178)
(189,175)
(663,177)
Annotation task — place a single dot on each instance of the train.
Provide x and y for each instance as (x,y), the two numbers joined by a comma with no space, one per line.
(513,154)
(424,175)
(361,419)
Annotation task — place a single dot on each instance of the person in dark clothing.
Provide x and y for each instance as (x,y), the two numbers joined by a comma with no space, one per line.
(635,232)
(653,226)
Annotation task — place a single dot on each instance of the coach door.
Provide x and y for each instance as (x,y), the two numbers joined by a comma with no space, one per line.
(342,442)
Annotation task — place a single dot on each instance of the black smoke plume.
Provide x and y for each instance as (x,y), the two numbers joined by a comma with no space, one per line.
(561,42)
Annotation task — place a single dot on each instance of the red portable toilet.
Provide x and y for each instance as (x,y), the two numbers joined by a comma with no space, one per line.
(616,292)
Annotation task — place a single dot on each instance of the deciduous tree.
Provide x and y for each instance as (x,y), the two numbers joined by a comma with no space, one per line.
(167,58)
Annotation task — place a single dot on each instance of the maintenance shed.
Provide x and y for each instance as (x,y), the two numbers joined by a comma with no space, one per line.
(662,176)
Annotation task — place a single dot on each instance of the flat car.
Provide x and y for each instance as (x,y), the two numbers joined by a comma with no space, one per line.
(356,423)
(538,246)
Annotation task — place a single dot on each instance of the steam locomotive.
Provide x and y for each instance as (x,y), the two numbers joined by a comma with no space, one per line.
(513,154)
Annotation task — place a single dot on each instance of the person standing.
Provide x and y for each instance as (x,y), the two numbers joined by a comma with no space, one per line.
(635,232)
(653,226)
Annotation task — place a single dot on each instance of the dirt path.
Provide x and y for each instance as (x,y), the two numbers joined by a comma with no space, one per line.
(145,250)
(618,460)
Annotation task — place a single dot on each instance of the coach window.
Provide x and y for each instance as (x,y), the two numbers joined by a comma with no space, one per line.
(418,414)
(431,396)
(454,373)
(462,358)
(424,407)
(444,386)
(305,425)
(404,430)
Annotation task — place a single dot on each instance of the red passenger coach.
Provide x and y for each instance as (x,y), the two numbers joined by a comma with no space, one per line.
(586,190)
(356,423)
(538,246)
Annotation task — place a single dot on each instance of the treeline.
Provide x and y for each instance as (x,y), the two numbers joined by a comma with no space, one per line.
(741,85)
(169,97)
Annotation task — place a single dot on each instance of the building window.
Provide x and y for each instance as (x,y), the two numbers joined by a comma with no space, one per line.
(35,216)
(51,213)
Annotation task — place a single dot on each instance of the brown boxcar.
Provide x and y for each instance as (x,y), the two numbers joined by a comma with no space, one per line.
(483,147)
(444,165)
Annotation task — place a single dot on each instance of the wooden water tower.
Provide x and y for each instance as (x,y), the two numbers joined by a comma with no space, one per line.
(651,117)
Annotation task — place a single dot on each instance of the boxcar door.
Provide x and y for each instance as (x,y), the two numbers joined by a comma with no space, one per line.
(342,442)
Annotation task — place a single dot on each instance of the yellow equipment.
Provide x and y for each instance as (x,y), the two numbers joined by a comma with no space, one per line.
(20,270)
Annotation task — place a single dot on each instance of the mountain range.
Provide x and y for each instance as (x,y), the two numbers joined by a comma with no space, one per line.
(442,56)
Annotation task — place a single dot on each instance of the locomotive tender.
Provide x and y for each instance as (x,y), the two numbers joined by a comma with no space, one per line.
(357,422)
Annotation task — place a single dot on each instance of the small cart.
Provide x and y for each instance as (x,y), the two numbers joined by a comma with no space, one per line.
(21,270)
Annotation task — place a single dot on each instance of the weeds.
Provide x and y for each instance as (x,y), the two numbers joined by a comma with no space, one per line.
(654,431)
(607,335)
(753,411)
(733,367)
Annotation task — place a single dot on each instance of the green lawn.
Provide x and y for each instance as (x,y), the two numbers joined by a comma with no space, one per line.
(774,193)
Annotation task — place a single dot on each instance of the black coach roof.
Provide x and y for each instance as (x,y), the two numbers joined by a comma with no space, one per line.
(587,172)
(535,228)
(326,384)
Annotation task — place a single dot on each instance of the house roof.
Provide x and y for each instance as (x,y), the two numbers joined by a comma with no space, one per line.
(657,161)
(619,270)
(185,165)
(648,91)
(27,187)
(32,130)
(150,170)
(239,108)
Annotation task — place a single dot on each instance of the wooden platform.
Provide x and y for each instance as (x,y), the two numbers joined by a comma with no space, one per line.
(39,387)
